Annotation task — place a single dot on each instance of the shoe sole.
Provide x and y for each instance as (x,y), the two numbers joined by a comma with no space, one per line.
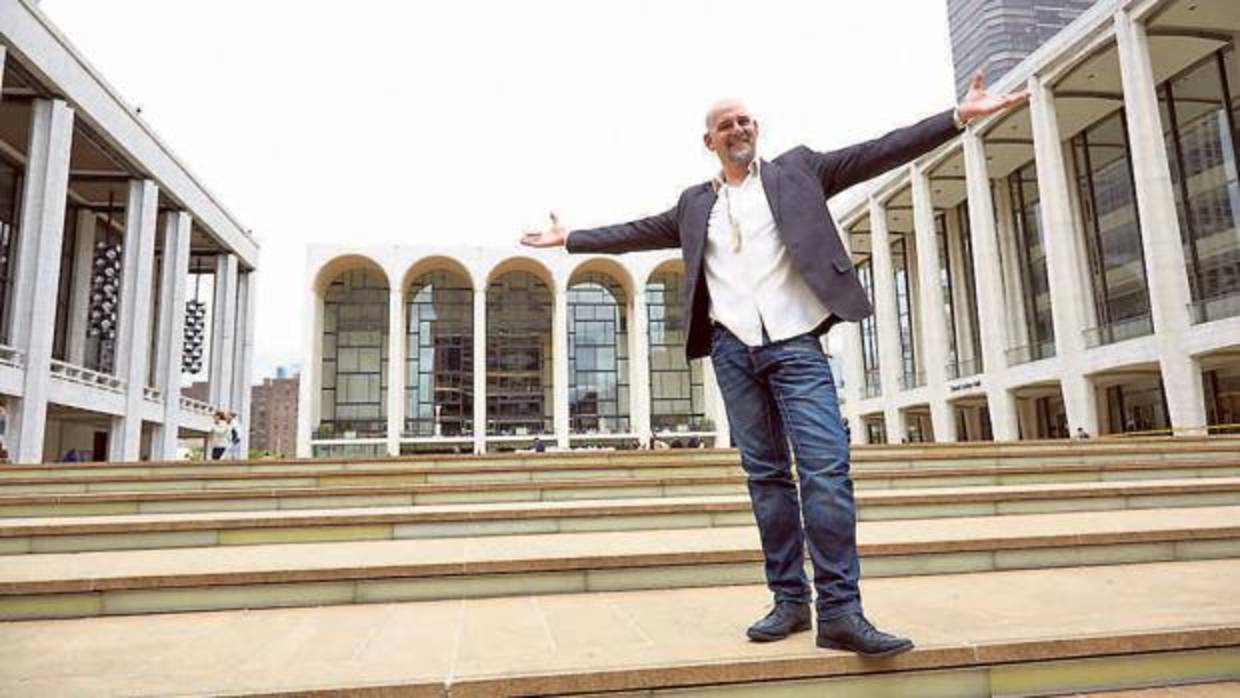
(764,637)
(900,649)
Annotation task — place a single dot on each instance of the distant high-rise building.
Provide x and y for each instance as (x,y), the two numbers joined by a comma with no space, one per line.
(273,416)
(995,35)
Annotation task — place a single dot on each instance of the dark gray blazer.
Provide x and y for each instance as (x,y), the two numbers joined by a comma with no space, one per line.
(798,184)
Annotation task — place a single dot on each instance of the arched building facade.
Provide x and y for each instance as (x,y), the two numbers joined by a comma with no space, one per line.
(414,350)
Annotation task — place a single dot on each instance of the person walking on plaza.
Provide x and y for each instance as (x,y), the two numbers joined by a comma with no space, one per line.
(218,437)
(234,436)
(765,276)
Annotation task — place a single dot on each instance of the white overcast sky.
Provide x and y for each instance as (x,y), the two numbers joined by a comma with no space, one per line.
(369,121)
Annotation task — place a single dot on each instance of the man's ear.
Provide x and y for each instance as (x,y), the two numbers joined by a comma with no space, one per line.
(706,140)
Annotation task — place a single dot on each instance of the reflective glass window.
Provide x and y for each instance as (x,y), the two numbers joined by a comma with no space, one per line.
(519,356)
(439,356)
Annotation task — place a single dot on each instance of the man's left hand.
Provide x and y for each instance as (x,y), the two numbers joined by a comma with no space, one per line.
(978,102)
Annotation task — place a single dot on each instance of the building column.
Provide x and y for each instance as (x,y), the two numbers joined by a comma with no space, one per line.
(173,283)
(934,323)
(1160,228)
(79,301)
(1063,264)
(243,363)
(854,367)
(133,325)
(480,371)
(989,291)
(639,369)
(885,317)
(223,325)
(396,372)
(308,393)
(559,374)
(41,232)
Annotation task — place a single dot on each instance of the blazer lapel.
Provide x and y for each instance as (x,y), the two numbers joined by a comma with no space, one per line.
(693,234)
(769,173)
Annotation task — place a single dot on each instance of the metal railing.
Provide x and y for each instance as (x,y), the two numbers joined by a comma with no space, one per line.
(909,381)
(963,369)
(1216,308)
(1119,330)
(871,390)
(85,376)
(1029,352)
(152,394)
(189,404)
(11,357)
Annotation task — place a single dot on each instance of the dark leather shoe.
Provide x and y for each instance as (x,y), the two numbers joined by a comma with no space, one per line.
(786,618)
(854,633)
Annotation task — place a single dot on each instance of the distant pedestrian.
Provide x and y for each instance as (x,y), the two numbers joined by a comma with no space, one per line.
(234,436)
(1081,433)
(539,446)
(218,436)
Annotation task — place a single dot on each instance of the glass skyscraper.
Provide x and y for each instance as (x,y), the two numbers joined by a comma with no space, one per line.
(997,34)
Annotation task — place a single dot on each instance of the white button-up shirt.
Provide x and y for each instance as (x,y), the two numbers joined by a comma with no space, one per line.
(749,273)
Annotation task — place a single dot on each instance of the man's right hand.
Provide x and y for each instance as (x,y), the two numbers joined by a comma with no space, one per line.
(554,235)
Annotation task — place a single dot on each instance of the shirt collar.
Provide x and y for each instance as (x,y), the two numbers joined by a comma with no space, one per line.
(755,169)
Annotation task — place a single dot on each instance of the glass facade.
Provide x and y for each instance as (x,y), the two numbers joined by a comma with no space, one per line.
(598,355)
(869,335)
(904,314)
(945,284)
(1112,232)
(1031,248)
(439,356)
(1199,115)
(354,366)
(968,296)
(10,196)
(677,396)
(519,357)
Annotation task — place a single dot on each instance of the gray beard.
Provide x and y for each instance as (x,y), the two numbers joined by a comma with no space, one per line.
(741,157)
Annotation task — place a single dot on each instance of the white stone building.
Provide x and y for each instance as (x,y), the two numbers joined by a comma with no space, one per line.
(409,348)
(104,237)
(1074,264)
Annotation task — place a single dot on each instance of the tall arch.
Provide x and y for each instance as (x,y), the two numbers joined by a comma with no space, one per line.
(439,350)
(598,350)
(353,362)
(520,373)
(677,388)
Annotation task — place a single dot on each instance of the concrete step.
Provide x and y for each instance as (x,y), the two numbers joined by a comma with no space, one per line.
(258,495)
(151,581)
(1037,632)
(84,481)
(82,534)
(885,457)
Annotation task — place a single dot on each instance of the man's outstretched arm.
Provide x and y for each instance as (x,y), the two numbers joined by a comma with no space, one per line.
(653,233)
(840,169)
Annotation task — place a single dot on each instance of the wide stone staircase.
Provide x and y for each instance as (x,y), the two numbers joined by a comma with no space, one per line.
(1032,568)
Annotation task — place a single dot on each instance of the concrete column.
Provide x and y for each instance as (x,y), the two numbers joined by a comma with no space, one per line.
(1063,265)
(990,300)
(133,325)
(79,301)
(934,322)
(885,315)
(41,232)
(559,368)
(1160,228)
(308,393)
(243,367)
(173,283)
(223,326)
(396,371)
(639,368)
(480,370)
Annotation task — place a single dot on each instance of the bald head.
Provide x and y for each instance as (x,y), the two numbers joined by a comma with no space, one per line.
(720,107)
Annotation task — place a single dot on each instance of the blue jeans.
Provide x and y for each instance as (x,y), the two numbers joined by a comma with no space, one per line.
(781,392)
